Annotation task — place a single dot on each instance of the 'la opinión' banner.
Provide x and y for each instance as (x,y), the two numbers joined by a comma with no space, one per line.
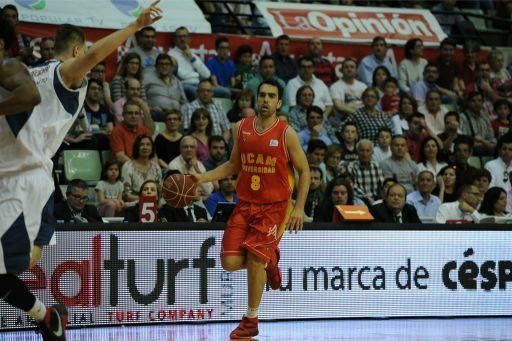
(351,23)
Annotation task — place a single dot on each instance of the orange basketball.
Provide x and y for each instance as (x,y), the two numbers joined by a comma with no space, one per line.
(179,190)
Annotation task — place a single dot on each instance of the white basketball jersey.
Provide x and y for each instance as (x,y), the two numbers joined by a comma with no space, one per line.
(29,139)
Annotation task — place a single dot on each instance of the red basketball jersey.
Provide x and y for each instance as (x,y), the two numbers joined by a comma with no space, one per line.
(267,172)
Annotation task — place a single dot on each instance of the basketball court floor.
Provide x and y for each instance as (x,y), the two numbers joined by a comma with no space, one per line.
(460,329)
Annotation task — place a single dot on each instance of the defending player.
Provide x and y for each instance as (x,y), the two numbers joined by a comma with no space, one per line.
(265,152)
(29,137)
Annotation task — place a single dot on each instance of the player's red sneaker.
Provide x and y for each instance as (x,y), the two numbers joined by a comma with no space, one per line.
(274,275)
(246,330)
(53,327)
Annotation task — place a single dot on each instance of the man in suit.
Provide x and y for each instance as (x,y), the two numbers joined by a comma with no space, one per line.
(192,213)
(74,208)
(394,208)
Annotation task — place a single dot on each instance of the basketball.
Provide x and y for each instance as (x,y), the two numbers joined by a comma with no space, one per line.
(179,190)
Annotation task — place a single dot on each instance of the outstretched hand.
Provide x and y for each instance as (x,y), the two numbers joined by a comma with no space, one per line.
(296,221)
(150,15)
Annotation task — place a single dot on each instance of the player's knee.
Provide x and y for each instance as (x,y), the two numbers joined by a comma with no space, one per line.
(232,264)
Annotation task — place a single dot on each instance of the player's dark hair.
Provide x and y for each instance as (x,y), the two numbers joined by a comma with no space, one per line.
(273,83)
(68,36)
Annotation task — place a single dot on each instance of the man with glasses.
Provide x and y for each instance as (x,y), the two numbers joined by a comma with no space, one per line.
(222,66)
(75,208)
(501,168)
(463,210)
(132,93)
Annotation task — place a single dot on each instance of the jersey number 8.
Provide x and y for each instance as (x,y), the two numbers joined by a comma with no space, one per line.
(255,183)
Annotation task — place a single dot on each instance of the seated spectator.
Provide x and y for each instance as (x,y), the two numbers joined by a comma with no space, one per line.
(99,72)
(447,184)
(205,100)
(21,49)
(218,152)
(380,74)
(201,129)
(222,66)
(501,125)
(450,134)
(494,203)
(314,130)
(467,70)
(245,99)
(333,162)
(47,50)
(226,193)
(109,190)
(297,115)
(323,69)
(267,72)
(434,112)
(378,58)
(429,156)
(132,91)
(306,77)
(191,69)
(398,166)
(390,101)
(130,68)
(483,85)
(316,155)
(244,69)
(418,132)
(482,180)
(143,166)
(146,48)
(124,134)
(367,174)
(501,167)
(187,163)
(349,135)
(338,192)
(386,184)
(463,150)
(167,143)
(149,188)
(462,210)
(74,209)
(447,20)
(394,209)
(368,118)
(347,92)
(411,68)
(475,123)
(447,67)
(164,91)
(406,108)
(286,66)
(420,89)
(422,199)
(382,151)
(315,194)
(501,80)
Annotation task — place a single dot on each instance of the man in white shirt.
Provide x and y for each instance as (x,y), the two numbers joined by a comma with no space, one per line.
(347,92)
(434,112)
(501,168)
(306,77)
(426,204)
(462,210)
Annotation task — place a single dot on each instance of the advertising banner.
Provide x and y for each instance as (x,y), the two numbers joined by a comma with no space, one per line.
(123,277)
(110,14)
(351,23)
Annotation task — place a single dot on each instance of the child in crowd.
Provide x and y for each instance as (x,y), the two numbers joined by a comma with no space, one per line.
(244,100)
(110,191)
(502,109)
(390,101)
(244,69)
(348,139)
(382,151)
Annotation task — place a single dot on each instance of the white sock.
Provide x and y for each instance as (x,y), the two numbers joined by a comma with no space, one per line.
(38,311)
(252,312)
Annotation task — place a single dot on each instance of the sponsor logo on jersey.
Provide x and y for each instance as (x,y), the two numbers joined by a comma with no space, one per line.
(274,143)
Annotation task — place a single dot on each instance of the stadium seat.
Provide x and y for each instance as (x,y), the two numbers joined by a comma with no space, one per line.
(159,127)
(226,103)
(475,162)
(486,159)
(105,156)
(82,164)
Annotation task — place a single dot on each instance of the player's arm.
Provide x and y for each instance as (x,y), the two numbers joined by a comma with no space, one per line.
(23,91)
(300,163)
(74,70)
(232,166)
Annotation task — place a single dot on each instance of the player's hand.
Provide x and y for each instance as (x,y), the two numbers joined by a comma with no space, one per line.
(150,15)
(296,221)
(197,178)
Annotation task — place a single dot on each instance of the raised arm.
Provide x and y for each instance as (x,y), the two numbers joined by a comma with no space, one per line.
(23,91)
(74,69)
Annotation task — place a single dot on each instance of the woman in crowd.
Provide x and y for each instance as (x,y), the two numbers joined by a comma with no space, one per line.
(149,188)
(167,143)
(244,100)
(142,167)
(130,68)
(447,185)
(408,107)
(338,192)
(380,74)
(201,126)
(430,152)
(411,67)
(333,157)
(494,202)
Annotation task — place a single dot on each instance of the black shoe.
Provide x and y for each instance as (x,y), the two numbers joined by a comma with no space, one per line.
(53,327)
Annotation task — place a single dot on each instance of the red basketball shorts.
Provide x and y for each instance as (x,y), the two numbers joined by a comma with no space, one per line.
(256,228)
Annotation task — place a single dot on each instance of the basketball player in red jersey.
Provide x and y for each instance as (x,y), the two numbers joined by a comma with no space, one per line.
(265,153)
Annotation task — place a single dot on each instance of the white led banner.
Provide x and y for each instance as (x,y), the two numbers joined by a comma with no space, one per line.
(122,277)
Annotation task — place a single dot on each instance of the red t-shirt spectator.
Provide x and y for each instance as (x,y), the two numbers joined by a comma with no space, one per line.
(123,138)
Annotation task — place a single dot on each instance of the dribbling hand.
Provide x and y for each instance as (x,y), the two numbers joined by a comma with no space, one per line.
(150,15)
